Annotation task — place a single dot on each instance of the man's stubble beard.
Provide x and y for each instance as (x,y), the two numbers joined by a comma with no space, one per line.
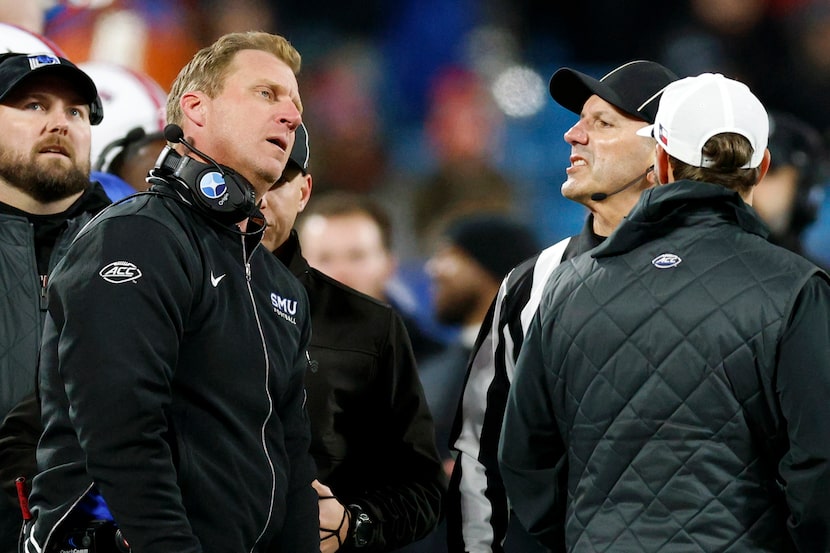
(456,309)
(46,181)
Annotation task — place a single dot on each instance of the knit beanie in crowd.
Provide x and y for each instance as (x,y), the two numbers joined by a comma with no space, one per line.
(496,242)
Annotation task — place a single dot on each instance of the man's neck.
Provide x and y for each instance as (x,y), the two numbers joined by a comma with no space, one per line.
(19,199)
(606,221)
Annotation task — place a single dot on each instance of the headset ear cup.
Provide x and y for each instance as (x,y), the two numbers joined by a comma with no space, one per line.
(241,195)
(225,196)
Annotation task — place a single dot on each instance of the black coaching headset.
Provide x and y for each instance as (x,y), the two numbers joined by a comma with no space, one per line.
(216,190)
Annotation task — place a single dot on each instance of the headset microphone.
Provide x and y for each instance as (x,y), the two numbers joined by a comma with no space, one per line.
(599,196)
(216,189)
(174,133)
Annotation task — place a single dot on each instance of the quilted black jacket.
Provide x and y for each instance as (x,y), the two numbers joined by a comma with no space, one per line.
(22,314)
(672,392)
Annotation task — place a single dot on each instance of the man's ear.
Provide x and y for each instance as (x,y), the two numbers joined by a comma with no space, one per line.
(651,176)
(193,106)
(305,191)
(662,167)
(764,167)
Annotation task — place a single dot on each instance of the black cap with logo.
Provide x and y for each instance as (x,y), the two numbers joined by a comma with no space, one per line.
(15,68)
(633,88)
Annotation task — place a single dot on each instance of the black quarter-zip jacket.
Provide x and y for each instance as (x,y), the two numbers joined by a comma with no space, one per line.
(372,433)
(172,382)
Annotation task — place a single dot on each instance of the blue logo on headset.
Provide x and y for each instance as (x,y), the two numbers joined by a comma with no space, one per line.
(213,185)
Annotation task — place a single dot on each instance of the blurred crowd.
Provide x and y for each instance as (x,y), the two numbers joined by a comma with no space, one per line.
(440,107)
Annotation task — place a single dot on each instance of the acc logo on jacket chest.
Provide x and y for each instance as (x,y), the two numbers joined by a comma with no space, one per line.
(666,261)
(119,272)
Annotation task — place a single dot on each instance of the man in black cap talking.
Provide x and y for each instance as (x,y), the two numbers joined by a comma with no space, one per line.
(46,108)
(610,165)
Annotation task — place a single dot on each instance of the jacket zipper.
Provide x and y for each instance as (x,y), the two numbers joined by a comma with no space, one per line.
(246,260)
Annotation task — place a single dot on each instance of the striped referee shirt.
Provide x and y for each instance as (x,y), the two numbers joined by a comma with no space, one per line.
(478,513)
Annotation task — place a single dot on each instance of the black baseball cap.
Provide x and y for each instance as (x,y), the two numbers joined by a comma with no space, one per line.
(16,68)
(299,153)
(634,88)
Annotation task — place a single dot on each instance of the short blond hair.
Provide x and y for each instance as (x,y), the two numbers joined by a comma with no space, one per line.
(207,70)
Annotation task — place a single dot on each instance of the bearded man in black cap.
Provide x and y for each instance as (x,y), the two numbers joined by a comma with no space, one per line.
(609,167)
(46,108)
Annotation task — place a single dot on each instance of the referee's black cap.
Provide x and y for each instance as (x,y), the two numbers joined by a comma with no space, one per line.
(634,88)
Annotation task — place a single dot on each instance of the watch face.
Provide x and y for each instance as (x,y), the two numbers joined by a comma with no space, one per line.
(362,530)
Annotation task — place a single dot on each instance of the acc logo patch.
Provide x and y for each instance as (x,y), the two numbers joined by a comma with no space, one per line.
(666,261)
(118,272)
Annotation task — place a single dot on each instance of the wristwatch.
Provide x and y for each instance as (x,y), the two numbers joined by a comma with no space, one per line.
(362,526)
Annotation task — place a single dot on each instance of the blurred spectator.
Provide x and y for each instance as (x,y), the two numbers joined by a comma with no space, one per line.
(474,254)
(742,39)
(807,79)
(464,129)
(342,86)
(349,238)
(221,17)
(156,37)
(612,35)
(789,196)
(28,15)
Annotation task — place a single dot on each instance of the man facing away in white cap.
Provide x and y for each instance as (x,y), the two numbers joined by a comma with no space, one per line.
(671,394)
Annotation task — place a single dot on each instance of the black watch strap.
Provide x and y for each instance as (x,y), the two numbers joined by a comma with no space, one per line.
(362,526)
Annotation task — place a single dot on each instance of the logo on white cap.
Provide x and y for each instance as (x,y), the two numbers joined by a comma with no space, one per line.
(694,109)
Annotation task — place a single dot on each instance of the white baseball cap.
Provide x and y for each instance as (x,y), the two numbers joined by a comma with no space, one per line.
(694,109)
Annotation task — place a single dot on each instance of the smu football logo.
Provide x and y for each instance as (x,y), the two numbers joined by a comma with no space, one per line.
(213,185)
(284,307)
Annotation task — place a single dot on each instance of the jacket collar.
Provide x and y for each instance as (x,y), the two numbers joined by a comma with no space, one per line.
(682,203)
(291,255)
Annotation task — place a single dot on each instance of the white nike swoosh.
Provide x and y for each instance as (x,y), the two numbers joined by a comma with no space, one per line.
(215,280)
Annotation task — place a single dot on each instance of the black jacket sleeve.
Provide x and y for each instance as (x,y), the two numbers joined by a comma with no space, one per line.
(803,384)
(300,530)
(406,504)
(19,434)
(117,367)
(532,454)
